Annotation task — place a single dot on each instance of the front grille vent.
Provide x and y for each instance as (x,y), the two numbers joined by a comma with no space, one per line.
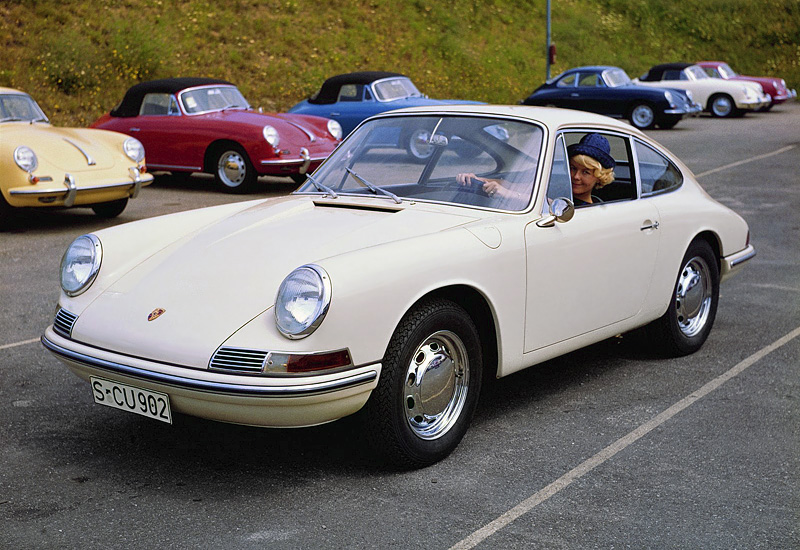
(64,322)
(239,360)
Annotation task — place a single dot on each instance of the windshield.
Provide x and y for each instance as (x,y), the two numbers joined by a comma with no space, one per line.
(394,88)
(616,77)
(16,107)
(725,71)
(426,158)
(212,98)
(696,72)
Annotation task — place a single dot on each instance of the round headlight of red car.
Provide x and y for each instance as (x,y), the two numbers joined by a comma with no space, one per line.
(26,158)
(271,135)
(335,129)
(302,301)
(80,264)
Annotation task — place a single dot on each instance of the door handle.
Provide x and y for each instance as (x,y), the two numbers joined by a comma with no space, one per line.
(336,114)
(134,129)
(575,94)
(649,225)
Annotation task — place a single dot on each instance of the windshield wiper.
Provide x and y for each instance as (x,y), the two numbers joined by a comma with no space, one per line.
(374,188)
(322,187)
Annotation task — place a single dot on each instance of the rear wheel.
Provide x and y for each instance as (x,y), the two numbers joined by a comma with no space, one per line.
(693,307)
(110,209)
(429,386)
(417,145)
(642,116)
(233,171)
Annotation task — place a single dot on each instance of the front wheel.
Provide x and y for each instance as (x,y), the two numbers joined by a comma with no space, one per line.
(233,171)
(429,386)
(111,209)
(693,307)
(642,116)
(722,106)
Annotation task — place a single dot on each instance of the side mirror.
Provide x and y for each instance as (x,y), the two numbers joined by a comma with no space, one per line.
(561,210)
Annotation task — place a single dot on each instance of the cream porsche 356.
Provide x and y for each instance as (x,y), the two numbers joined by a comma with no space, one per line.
(46,166)
(387,286)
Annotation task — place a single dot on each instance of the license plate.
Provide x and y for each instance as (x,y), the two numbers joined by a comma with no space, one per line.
(148,403)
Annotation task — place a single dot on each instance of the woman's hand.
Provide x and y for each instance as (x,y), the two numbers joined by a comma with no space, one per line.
(490,187)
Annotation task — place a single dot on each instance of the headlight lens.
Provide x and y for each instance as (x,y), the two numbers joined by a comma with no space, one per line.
(26,158)
(134,149)
(335,129)
(302,301)
(271,135)
(80,264)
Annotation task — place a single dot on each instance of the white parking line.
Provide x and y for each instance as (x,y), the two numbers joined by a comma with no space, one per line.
(530,503)
(15,344)
(745,161)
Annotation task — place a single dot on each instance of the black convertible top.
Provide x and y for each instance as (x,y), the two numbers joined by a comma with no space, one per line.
(657,71)
(130,104)
(329,91)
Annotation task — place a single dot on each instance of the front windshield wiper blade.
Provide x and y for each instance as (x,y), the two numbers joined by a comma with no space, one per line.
(322,187)
(374,188)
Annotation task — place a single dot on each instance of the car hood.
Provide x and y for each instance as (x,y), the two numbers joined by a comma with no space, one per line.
(296,128)
(214,281)
(68,149)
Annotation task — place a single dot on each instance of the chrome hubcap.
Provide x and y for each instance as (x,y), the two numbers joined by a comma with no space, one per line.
(693,297)
(419,145)
(642,116)
(722,106)
(436,385)
(231,168)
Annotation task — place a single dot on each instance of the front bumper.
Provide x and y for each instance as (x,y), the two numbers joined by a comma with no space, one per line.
(269,401)
(73,193)
(692,110)
(754,104)
(303,164)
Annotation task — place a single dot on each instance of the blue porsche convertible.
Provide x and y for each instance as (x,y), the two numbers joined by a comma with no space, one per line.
(352,97)
(609,91)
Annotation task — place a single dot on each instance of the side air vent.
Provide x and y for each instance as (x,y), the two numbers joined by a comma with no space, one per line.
(64,322)
(239,360)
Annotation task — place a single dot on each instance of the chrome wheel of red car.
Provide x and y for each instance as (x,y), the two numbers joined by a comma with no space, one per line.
(233,171)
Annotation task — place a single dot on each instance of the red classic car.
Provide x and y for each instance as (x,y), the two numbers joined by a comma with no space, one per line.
(206,125)
(775,87)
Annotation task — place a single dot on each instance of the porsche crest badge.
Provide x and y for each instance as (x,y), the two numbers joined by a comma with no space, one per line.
(156,313)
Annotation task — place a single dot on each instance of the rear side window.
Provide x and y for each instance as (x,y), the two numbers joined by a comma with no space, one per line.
(568,81)
(657,173)
(155,104)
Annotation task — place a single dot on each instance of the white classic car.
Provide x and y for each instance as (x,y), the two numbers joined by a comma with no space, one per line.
(391,286)
(721,98)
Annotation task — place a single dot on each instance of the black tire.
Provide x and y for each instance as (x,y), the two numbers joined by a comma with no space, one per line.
(667,124)
(232,169)
(642,116)
(299,179)
(722,106)
(8,214)
(419,411)
(110,209)
(684,327)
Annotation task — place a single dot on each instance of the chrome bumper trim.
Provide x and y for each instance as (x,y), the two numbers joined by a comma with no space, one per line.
(79,190)
(240,390)
(740,257)
(289,162)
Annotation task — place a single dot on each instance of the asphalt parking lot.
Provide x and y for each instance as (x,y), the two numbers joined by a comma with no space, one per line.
(607,447)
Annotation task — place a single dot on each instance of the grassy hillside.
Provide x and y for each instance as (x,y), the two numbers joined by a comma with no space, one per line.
(78,57)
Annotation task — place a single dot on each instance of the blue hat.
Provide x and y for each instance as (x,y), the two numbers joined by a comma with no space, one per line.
(595,146)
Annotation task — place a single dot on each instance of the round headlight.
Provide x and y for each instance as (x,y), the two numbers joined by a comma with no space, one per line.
(80,264)
(134,149)
(335,129)
(26,158)
(271,135)
(302,301)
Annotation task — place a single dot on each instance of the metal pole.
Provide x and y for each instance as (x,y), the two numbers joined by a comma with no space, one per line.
(547,49)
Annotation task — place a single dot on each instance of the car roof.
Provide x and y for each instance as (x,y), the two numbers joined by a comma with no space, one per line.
(551,117)
(11,91)
(329,92)
(129,106)
(656,71)
(598,68)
